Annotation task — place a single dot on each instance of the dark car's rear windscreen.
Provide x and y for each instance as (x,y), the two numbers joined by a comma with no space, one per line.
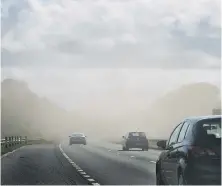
(77,135)
(209,133)
(137,134)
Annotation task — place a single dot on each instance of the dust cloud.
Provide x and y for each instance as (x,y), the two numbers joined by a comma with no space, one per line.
(104,106)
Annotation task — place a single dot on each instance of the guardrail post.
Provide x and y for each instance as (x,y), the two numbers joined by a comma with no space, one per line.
(6,142)
(25,139)
(9,141)
(12,139)
(20,140)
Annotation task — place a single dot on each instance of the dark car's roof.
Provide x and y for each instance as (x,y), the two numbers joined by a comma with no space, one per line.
(199,118)
(77,133)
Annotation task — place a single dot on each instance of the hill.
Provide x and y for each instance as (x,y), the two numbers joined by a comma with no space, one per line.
(189,100)
(23,112)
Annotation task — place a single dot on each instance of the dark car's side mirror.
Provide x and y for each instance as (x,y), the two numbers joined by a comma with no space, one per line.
(161,144)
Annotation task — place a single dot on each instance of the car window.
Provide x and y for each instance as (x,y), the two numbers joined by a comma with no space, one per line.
(183,131)
(77,135)
(209,133)
(213,129)
(174,135)
(137,134)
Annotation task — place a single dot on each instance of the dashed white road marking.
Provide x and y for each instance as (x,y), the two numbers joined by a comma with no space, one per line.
(81,172)
(132,156)
(152,162)
(109,150)
(90,179)
(95,183)
(86,176)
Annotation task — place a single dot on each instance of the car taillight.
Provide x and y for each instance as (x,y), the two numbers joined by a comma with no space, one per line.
(200,151)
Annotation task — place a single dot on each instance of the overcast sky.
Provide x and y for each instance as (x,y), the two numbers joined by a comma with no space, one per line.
(78,51)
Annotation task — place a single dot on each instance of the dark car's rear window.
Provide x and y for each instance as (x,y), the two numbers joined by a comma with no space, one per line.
(77,135)
(137,134)
(209,132)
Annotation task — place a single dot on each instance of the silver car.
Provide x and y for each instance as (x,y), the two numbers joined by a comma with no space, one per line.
(77,138)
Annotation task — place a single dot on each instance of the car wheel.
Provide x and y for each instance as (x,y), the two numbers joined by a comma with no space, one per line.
(159,180)
(181,180)
(123,148)
(127,148)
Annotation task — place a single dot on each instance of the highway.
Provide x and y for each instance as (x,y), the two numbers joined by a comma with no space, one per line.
(105,163)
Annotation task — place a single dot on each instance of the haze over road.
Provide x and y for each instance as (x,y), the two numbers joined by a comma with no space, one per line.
(104,162)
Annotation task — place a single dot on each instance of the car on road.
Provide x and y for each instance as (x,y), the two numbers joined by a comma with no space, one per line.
(77,138)
(135,140)
(192,154)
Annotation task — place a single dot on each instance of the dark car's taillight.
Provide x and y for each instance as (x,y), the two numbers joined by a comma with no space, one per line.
(200,151)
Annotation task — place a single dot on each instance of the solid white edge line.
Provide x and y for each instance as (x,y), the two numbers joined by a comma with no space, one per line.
(6,154)
(78,169)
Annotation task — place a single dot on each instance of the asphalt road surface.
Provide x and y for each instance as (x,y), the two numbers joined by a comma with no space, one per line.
(104,162)
(38,165)
(109,165)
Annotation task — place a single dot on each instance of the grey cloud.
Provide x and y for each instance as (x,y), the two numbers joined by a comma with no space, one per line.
(159,46)
(207,39)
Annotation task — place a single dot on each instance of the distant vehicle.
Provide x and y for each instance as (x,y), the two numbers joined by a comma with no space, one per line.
(77,138)
(135,140)
(192,154)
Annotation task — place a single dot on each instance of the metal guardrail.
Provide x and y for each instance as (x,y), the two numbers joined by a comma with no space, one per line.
(11,142)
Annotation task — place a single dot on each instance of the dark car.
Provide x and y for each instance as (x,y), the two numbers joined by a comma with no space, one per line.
(135,140)
(77,138)
(192,155)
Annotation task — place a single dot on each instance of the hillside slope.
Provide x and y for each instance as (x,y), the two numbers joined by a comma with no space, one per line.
(24,113)
(189,100)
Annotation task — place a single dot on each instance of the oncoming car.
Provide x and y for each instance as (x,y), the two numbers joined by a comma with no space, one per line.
(77,138)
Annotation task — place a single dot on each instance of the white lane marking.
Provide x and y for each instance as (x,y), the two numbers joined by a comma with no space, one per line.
(6,154)
(152,162)
(109,150)
(92,181)
(132,156)
(86,176)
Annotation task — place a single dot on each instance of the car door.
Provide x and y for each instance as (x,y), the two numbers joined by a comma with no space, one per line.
(170,156)
(180,155)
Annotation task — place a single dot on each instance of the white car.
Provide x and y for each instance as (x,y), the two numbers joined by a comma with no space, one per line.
(77,138)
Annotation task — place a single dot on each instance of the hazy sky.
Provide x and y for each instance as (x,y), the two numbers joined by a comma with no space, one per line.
(81,53)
